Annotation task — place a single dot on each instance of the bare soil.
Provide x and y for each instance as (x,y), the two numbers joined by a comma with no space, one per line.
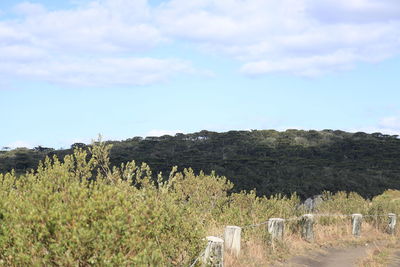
(395,261)
(332,257)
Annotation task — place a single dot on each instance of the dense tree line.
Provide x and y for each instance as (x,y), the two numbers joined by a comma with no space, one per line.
(306,162)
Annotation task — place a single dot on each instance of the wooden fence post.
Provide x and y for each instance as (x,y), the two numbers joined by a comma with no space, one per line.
(356,220)
(392,223)
(232,237)
(214,253)
(307,225)
(276,227)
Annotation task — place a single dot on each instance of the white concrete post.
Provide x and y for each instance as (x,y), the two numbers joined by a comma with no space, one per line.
(232,237)
(214,253)
(392,223)
(356,220)
(276,228)
(307,225)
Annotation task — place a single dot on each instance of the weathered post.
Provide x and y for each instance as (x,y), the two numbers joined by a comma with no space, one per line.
(307,225)
(356,220)
(232,237)
(276,227)
(214,253)
(392,223)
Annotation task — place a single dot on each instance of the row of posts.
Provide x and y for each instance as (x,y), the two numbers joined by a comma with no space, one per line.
(214,253)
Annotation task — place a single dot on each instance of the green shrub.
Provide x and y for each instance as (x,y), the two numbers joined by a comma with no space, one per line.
(382,205)
(60,215)
(81,212)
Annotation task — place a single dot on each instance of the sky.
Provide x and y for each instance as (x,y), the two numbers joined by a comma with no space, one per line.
(73,69)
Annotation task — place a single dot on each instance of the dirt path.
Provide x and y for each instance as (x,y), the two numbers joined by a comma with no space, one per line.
(395,261)
(346,257)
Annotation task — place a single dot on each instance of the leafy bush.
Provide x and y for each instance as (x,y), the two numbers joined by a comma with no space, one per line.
(382,205)
(61,215)
(80,211)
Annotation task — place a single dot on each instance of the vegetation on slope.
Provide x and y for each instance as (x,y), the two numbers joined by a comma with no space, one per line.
(305,162)
(81,211)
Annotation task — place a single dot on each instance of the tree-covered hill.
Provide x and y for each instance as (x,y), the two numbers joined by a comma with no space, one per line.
(306,162)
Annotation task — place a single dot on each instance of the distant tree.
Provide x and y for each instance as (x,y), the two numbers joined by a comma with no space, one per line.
(42,149)
(78,145)
(306,162)
(377,135)
(136,139)
(360,135)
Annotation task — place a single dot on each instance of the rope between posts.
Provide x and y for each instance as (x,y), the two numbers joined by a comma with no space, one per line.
(370,215)
(332,215)
(293,219)
(289,219)
(259,224)
(317,215)
(347,215)
(255,225)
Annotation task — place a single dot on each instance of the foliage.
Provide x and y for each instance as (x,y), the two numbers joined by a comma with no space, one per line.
(388,202)
(60,215)
(343,203)
(83,211)
(305,162)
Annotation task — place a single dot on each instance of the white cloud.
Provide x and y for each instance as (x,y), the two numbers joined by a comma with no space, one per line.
(306,66)
(354,11)
(96,44)
(302,37)
(289,35)
(100,26)
(100,72)
(29,9)
(20,53)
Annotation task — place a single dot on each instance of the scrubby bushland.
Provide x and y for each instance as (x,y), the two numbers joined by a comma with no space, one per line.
(63,215)
(305,162)
(81,211)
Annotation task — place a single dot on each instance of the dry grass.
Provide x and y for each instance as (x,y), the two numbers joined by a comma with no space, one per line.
(380,253)
(256,252)
(340,234)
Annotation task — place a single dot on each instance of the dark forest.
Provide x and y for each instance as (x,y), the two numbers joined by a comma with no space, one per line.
(305,162)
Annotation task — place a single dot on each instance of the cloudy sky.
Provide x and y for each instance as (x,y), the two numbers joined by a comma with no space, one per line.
(71,69)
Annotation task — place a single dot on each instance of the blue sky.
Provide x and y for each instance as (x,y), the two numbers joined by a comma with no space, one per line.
(70,70)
